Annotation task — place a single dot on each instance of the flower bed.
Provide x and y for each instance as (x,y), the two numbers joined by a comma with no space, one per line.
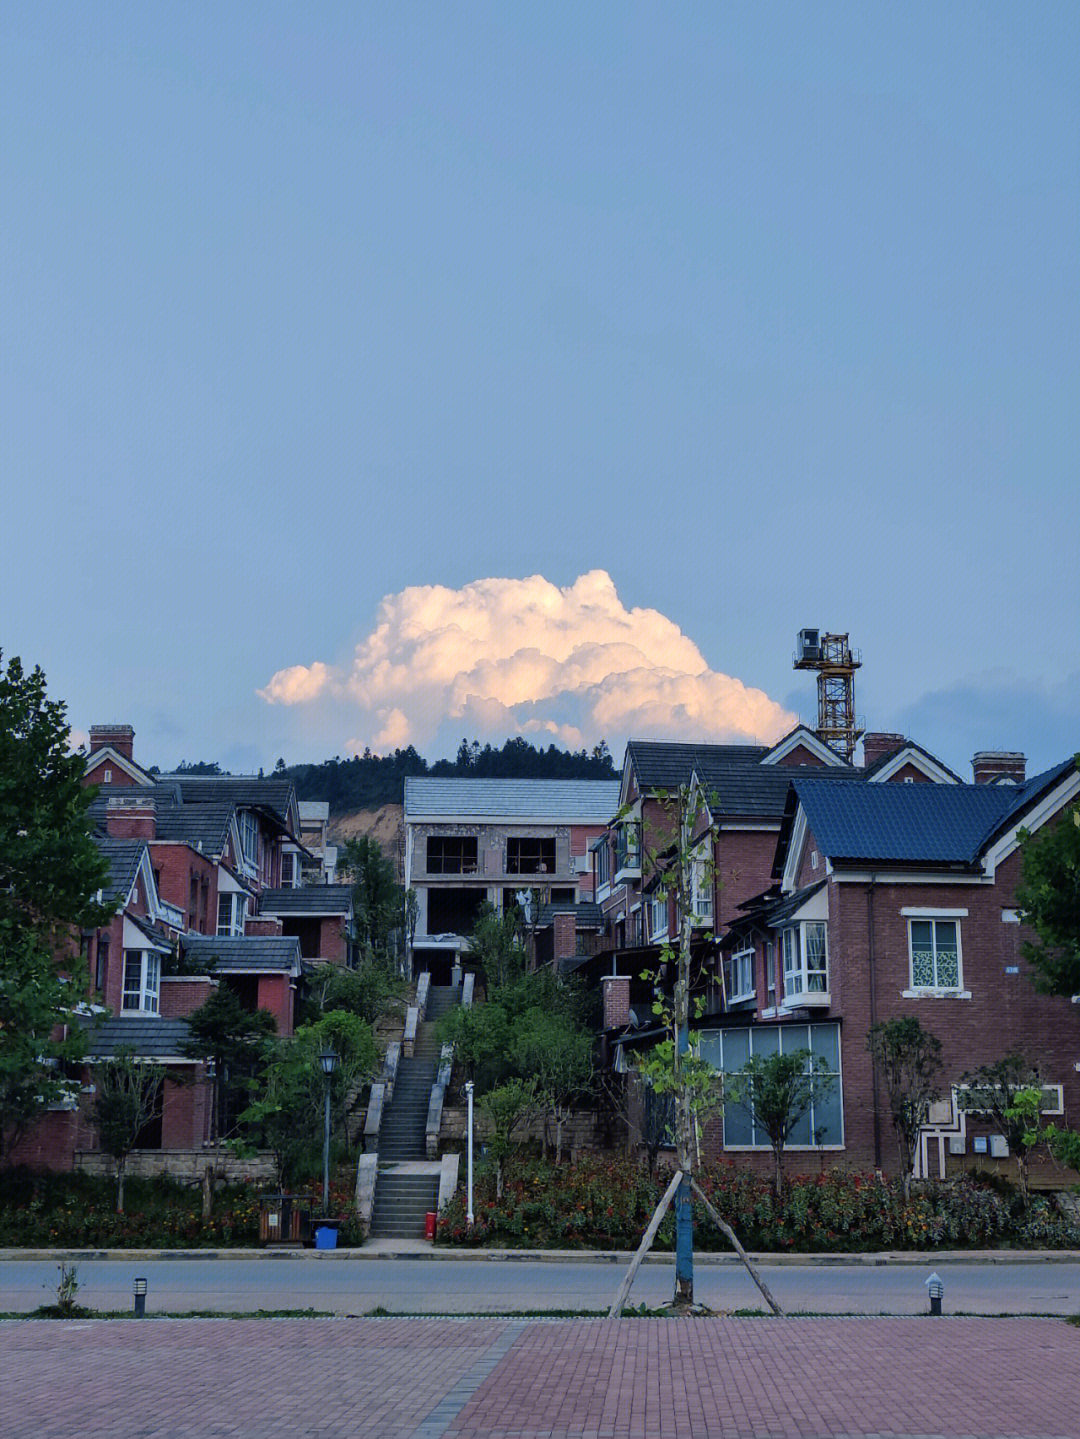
(606,1204)
(78,1210)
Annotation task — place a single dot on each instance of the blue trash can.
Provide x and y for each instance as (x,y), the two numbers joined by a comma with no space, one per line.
(326,1236)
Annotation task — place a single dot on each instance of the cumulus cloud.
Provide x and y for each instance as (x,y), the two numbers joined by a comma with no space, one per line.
(506,656)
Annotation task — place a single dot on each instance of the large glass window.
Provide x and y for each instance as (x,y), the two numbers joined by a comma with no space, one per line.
(451,854)
(142,980)
(823,1124)
(935,953)
(530,855)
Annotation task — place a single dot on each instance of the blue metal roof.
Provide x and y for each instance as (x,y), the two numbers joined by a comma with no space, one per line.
(914,823)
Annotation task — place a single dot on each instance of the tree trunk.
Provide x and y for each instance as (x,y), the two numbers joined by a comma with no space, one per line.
(120,1186)
(778,1171)
(208,1192)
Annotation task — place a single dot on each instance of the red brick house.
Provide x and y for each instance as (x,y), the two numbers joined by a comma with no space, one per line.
(191,859)
(889,900)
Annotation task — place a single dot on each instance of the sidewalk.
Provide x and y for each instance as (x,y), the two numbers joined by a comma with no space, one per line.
(582,1379)
(423,1249)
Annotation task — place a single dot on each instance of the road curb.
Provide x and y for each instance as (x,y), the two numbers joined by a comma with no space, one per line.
(912,1258)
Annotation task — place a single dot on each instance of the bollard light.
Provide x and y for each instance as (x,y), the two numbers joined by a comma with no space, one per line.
(140,1298)
(936,1290)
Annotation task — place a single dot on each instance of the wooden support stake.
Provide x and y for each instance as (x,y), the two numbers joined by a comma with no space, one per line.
(727,1230)
(644,1247)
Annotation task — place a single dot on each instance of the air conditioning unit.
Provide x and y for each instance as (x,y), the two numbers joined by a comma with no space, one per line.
(579,864)
(808,645)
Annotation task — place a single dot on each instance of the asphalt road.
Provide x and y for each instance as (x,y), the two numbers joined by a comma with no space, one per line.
(473,1285)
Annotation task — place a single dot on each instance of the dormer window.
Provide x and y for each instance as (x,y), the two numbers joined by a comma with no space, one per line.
(249,837)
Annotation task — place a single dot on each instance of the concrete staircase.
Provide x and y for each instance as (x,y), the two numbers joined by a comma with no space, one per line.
(407,1186)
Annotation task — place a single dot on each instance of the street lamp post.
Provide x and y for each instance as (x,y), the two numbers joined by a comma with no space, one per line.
(329,1060)
(469,1096)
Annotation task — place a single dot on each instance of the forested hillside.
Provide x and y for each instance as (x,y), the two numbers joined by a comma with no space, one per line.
(369,780)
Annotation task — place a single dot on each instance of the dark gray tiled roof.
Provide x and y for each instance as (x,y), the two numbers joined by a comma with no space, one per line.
(776,913)
(659,764)
(246,790)
(153,932)
(915,823)
(147,1035)
(751,790)
(251,954)
(587,914)
(307,899)
(123,856)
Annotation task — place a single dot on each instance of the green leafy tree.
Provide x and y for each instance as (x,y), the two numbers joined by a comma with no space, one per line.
(126,1098)
(378,900)
(1003,1091)
(480,1035)
(496,946)
(287,1114)
(507,1109)
(370,992)
(239,1043)
(50,871)
(908,1060)
(557,1053)
(778,1089)
(1049,898)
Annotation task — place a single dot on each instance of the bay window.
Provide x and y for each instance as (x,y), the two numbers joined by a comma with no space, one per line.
(805,952)
(232,912)
(739,976)
(142,981)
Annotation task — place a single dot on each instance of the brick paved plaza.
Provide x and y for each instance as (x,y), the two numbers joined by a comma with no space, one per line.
(479,1378)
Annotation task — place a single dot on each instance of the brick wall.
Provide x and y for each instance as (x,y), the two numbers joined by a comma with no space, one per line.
(1004,1012)
(181,995)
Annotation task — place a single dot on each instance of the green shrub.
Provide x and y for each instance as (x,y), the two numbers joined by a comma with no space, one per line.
(77,1211)
(603,1203)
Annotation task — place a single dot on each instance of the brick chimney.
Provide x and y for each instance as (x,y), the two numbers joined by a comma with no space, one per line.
(876,745)
(130,819)
(616,995)
(995,766)
(262,924)
(565,935)
(120,737)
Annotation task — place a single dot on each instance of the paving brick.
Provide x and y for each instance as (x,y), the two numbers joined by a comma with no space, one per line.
(585,1379)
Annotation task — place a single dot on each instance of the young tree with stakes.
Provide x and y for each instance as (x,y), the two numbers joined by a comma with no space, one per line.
(682,856)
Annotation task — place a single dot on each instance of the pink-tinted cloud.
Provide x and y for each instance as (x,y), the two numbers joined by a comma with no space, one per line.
(506,656)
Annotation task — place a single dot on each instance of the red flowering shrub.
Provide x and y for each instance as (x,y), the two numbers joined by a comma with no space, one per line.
(602,1203)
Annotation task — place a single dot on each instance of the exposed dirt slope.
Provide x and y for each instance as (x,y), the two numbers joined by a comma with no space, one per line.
(385,824)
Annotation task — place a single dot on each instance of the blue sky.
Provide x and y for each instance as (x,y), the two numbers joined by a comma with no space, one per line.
(314,318)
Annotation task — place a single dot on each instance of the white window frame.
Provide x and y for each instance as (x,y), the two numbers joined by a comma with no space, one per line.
(701,887)
(740,976)
(249,838)
(234,927)
(658,916)
(147,991)
(794,950)
(837,1075)
(936,991)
